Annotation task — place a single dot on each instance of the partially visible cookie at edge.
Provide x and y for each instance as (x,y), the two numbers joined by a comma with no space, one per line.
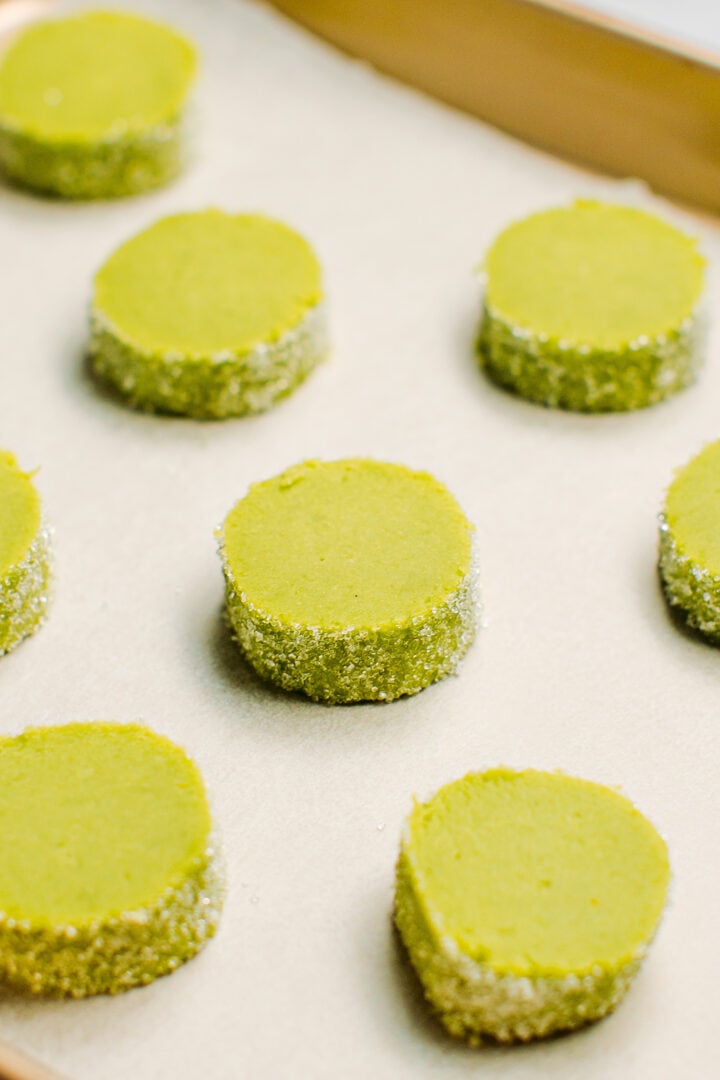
(111,873)
(94,105)
(24,555)
(689,555)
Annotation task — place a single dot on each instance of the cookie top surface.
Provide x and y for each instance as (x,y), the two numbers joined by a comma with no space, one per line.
(96,819)
(594,274)
(204,283)
(19,513)
(537,873)
(94,76)
(692,508)
(347,544)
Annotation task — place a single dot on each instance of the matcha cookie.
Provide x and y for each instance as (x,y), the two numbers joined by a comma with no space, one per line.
(91,105)
(24,556)
(350,580)
(208,315)
(527,901)
(690,542)
(109,877)
(592,307)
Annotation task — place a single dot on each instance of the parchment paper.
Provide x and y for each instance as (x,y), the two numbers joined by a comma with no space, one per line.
(578,665)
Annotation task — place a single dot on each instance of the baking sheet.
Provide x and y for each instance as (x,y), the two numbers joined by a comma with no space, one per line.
(578,665)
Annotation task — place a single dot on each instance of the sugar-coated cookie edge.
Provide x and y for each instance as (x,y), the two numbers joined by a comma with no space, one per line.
(473,1001)
(351,664)
(104,168)
(25,593)
(111,955)
(571,375)
(225,384)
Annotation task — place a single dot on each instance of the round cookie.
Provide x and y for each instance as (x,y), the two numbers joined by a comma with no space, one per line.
(689,559)
(592,307)
(109,877)
(527,900)
(350,580)
(208,314)
(24,556)
(91,105)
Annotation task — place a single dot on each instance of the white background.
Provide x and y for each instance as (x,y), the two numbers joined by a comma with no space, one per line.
(696,21)
(579,665)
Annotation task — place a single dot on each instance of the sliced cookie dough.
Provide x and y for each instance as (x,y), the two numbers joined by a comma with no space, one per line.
(527,900)
(592,307)
(209,314)
(24,556)
(690,542)
(91,106)
(350,580)
(109,876)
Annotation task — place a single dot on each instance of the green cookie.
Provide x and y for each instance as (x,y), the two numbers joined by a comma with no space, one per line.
(24,556)
(91,106)
(592,307)
(690,542)
(109,877)
(527,900)
(350,580)
(208,315)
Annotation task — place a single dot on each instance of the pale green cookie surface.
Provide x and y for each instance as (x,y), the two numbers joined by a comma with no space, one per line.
(538,873)
(689,549)
(527,900)
(353,543)
(19,513)
(93,76)
(108,877)
(593,307)
(594,273)
(203,283)
(95,819)
(350,580)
